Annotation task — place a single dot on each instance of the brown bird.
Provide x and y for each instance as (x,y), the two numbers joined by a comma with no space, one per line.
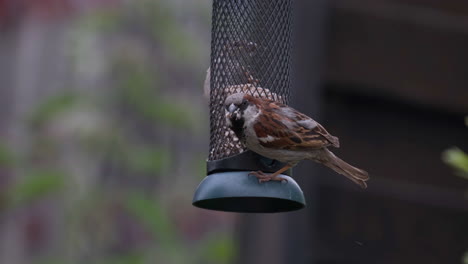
(279,132)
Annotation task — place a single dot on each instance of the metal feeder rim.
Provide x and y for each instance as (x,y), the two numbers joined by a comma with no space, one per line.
(248,161)
(237,191)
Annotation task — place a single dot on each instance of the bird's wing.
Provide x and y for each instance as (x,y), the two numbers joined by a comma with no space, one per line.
(290,129)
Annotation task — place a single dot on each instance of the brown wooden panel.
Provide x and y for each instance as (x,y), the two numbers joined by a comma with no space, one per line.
(395,141)
(399,58)
(455,7)
(458,7)
(361,228)
(414,210)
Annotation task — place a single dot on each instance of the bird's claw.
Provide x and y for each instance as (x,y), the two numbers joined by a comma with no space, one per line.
(263,177)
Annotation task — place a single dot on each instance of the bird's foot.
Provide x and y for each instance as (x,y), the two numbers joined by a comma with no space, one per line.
(263,177)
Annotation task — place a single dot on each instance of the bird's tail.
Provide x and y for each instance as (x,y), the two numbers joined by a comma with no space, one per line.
(356,175)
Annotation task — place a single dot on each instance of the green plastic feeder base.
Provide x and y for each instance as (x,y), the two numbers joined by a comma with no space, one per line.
(237,191)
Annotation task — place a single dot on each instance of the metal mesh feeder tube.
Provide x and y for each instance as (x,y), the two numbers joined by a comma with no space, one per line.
(250,53)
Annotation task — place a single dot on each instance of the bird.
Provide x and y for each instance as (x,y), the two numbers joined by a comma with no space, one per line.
(279,132)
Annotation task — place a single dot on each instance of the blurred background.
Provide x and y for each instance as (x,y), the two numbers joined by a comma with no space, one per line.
(104,135)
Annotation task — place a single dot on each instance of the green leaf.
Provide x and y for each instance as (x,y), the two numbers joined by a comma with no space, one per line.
(149,160)
(104,20)
(6,156)
(50,260)
(218,248)
(133,258)
(51,107)
(138,83)
(153,216)
(171,113)
(457,159)
(35,186)
(138,90)
(199,166)
(160,110)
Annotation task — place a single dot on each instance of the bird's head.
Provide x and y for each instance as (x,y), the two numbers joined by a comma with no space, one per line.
(240,107)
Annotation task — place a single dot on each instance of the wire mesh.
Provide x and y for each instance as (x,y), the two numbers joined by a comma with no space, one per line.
(250,53)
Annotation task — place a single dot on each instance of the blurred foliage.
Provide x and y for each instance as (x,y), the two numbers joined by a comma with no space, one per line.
(218,248)
(150,160)
(127,259)
(36,185)
(101,155)
(48,109)
(165,30)
(458,160)
(6,156)
(139,91)
(153,217)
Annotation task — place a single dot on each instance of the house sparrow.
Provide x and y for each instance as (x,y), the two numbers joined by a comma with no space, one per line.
(231,145)
(279,132)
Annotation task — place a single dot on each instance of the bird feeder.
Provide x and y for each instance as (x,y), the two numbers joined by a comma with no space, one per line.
(250,53)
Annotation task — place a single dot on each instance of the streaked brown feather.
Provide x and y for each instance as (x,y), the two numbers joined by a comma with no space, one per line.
(286,126)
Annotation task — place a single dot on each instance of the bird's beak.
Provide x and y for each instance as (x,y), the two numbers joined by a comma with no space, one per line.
(232,108)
